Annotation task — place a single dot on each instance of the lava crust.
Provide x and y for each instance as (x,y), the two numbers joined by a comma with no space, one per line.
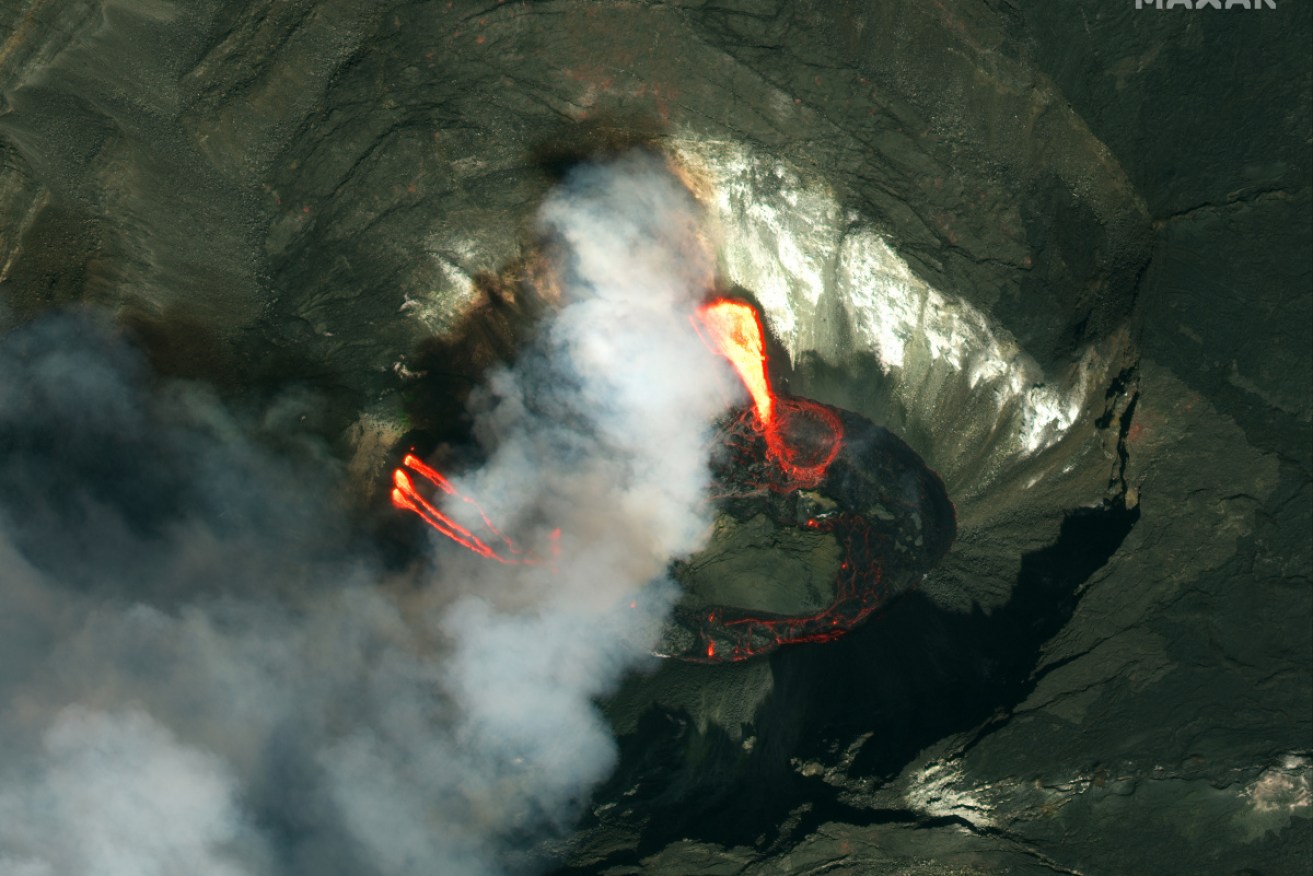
(841,477)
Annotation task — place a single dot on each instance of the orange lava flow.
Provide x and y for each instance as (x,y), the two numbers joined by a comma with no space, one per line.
(733,329)
(406,497)
(802,437)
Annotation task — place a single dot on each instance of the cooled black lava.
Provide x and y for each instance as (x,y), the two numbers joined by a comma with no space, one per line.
(887,511)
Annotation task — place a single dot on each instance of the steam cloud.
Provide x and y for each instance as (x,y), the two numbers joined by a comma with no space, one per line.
(202,671)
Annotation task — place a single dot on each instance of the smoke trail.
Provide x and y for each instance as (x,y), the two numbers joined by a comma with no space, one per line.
(201,671)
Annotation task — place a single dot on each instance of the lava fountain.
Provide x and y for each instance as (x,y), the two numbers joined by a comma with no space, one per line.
(793,463)
(802,436)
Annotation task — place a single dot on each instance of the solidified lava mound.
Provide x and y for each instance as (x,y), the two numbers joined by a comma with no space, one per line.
(849,498)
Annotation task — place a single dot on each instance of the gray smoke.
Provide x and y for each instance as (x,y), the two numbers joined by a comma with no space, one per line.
(203,671)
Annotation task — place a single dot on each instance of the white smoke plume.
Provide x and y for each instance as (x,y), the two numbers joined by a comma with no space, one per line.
(202,670)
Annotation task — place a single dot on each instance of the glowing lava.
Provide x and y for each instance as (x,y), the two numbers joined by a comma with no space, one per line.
(888,514)
(406,497)
(781,451)
(733,329)
(802,436)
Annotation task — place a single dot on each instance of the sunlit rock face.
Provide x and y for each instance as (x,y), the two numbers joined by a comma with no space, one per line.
(837,294)
(945,211)
(877,212)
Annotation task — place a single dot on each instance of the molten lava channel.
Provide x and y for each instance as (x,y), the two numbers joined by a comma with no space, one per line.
(491,545)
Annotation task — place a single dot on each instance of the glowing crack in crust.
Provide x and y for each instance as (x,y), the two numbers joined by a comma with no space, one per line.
(885,510)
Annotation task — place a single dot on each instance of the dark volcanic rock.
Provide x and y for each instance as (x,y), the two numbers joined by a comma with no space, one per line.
(877,518)
(1062,250)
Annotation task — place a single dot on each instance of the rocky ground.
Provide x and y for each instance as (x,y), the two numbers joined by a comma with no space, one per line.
(1063,250)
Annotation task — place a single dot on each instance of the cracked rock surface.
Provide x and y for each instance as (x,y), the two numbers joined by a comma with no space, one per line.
(1089,225)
